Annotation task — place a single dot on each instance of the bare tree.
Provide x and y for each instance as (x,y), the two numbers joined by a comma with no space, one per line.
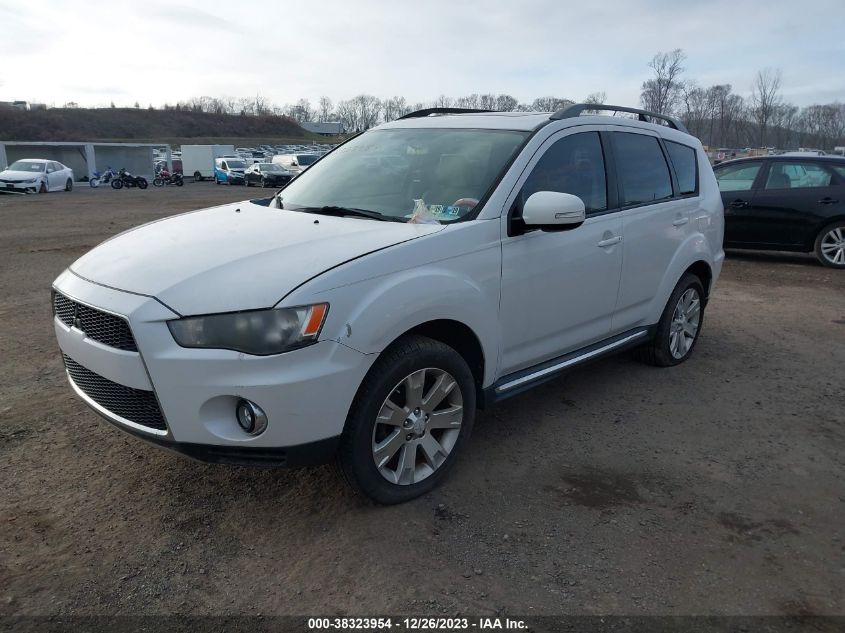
(549,104)
(324,109)
(394,108)
(487,102)
(765,98)
(597,98)
(301,111)
(661,93)
(470,102)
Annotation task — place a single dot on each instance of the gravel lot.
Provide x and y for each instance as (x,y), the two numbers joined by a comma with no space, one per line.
(713,488)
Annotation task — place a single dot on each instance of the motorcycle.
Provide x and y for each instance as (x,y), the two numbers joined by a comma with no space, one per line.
(164,177)
(105,178)
(125,179)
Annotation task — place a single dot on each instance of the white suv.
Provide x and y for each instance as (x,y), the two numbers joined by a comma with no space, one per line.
(426,268)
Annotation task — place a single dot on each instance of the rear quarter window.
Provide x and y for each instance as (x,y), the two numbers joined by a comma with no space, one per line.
(685,163)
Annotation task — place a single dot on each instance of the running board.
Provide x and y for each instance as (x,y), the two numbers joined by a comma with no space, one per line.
(518,382)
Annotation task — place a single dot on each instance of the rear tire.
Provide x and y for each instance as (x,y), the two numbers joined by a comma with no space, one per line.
(69,185)
(413,414)
(679,326)
(830,245)
(142,183)
(197,177)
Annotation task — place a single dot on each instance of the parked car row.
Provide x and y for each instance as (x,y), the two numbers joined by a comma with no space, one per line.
(232,170)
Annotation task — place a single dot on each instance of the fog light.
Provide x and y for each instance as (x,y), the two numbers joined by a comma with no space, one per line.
(251,417)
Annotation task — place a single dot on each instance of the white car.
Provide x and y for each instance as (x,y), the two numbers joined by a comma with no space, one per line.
(296,163)
(367,312)
(36,174)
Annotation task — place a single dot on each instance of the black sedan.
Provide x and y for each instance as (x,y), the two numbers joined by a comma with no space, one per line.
(267,175)
(785,203)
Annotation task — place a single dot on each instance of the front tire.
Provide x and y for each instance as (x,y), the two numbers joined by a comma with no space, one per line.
(830,245)
(197,177)
(69,185)
(679,325)
(158,182)
(117,183)
(409,421)
(43,187)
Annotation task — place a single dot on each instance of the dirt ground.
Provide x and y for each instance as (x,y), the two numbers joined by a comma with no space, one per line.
(717,487)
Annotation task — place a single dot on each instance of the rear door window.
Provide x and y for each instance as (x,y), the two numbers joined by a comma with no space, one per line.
(739,177)
(784,175)
(641,168)
(685,163)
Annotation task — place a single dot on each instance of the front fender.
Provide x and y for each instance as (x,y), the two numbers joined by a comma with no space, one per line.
(385,310)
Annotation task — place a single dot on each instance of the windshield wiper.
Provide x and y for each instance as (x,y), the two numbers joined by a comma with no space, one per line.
(350,211)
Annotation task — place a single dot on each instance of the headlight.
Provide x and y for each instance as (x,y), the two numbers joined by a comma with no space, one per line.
(31,180)
(258,332)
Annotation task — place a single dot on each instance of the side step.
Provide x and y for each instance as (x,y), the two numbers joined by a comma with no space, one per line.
(523,380)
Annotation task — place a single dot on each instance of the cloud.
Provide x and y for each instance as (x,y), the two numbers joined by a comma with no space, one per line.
(163,52)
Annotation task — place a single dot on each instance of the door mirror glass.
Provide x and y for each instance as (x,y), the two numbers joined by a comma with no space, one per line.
(550,210)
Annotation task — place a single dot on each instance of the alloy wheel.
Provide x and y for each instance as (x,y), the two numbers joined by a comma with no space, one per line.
(833,246)
(417,426)
(685,322)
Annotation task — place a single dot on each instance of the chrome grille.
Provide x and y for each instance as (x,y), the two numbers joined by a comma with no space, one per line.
(136,405)
(100,326)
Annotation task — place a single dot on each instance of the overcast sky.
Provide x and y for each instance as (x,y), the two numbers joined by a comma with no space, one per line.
(164,51)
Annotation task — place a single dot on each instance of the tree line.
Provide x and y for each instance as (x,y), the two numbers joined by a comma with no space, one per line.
(364,111)
(722,118)
(715,114)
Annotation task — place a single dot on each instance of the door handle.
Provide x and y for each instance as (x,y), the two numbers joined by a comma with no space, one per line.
(738,204)
(828,200)
(680,221)
(610,241)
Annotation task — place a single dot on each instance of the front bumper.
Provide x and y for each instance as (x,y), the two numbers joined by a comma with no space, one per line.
(19,187)
(305,393)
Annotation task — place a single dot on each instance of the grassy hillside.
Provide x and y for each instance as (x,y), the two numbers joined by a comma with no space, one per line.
(128,124)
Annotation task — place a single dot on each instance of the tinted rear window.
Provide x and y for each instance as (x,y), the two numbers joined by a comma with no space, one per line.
(641,168)
(686,166)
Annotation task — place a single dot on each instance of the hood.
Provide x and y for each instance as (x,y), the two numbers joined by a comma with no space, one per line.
(8,174)
(234,257)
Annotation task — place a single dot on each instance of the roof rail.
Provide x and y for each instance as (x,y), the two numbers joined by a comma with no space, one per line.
(428,111)
(575,110)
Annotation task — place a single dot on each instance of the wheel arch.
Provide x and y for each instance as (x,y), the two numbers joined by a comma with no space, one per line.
(459,337)
(704,272)
(694,256)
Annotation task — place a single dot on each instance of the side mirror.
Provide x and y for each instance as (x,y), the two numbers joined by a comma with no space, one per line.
(553,211)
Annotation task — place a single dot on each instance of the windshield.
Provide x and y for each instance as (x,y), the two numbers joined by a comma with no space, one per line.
(306,159)
(444,172)
(236,164)
(270,167)
(27,165)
